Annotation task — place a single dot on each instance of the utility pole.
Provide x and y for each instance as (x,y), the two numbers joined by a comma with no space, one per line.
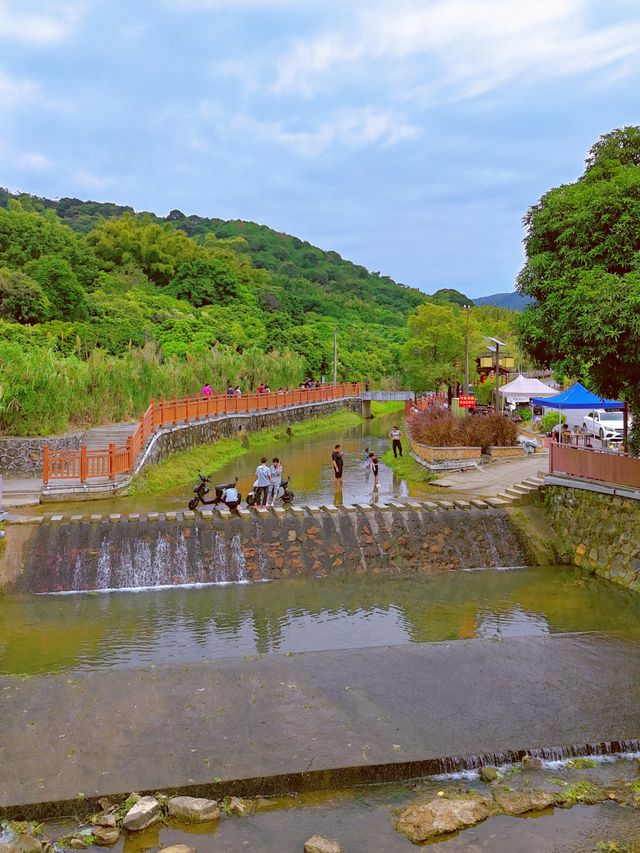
(467,309)
(335,356)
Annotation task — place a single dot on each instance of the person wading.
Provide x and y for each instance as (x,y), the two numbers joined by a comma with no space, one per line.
(337,461)
(395,435)
(375,467)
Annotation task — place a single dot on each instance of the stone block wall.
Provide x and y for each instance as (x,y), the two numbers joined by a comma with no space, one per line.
(188,436)
(22,457)
(442,454)
(599,533)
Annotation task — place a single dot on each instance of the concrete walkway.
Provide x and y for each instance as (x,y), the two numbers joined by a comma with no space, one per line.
(493,478)
(342,712)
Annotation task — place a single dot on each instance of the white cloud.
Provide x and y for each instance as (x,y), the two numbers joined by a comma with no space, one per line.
(15,91)
(41,22)
(88,180)
(348,129)
(457,48)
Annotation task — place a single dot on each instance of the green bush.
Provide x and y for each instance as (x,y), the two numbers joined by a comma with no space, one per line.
(550,420)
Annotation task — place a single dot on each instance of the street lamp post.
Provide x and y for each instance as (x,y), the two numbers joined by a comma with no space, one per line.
(498,343)
(467,309)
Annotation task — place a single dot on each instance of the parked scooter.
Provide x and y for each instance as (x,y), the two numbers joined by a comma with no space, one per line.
(201,490)
(284,494)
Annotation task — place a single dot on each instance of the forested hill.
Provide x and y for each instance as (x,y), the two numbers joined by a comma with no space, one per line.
(102,308)
(337,285)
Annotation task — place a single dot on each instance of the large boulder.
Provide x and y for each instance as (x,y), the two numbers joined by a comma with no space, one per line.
(193,809)
(523,801)
(318,844)
(422,820)
(145,812)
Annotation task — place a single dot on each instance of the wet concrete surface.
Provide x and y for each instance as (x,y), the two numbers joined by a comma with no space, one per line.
(82,735)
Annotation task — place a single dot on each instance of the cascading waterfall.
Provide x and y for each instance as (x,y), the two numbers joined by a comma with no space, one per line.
(139,553)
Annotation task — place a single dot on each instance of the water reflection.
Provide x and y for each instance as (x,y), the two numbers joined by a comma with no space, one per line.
(42,634)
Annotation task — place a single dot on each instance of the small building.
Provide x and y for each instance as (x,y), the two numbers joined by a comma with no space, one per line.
(486,365)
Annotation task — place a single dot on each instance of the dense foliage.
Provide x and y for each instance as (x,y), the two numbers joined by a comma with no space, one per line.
(583,271)
(439,428)
(101,309)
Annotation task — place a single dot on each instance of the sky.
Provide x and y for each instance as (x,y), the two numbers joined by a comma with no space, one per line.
(411,136)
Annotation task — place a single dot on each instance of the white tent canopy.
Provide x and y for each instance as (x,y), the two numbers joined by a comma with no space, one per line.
(523,389)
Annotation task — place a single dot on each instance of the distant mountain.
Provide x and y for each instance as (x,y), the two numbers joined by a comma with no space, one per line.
(513,300)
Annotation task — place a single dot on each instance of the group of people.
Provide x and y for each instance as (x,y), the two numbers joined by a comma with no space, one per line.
(371,462)
(268,482)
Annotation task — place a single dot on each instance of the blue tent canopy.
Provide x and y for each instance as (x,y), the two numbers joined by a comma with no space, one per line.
(577,397)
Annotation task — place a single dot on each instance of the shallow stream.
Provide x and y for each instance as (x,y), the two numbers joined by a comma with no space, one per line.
(43,633)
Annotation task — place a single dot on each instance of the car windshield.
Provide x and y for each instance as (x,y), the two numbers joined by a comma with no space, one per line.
(614,416)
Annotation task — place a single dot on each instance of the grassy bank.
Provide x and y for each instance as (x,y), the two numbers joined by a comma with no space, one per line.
(387,408)
(407,468)
(182,469)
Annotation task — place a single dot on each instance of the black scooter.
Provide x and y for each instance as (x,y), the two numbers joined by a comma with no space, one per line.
(286,495)
(202,489)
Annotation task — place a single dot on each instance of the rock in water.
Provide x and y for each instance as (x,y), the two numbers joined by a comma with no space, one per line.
(29,844)
(488,774)
(520,802)
(177,848)
(194,809)
(318,844)
(104,836)
(531,763)
(145,812)
(105,819)
(422,821)
(240,807)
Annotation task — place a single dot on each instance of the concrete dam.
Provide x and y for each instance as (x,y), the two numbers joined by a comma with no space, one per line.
(136,552)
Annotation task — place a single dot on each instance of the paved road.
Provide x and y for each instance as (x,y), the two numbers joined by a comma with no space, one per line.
(110,732)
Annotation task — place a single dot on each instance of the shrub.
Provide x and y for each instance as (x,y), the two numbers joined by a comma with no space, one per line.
(439,428)
(549,421)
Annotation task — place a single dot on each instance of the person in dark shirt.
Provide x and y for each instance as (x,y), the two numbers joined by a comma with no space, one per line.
(338,462)
(375,467)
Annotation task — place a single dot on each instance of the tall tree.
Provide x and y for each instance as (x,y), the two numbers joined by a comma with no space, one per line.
(583,271)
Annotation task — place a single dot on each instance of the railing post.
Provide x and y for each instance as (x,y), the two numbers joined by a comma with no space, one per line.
(45,464)
(130,454)
(112,449)
(161,408)
(186,410)
(175,411)
(83,463)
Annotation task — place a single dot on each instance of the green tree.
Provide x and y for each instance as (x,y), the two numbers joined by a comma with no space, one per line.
(21,298)
(583,270)
(433,354)
(67,298)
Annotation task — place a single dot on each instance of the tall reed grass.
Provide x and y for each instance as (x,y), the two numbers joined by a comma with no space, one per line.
(45,393)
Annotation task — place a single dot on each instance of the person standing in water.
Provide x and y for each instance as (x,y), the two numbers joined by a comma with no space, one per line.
(395,435)
(375,467)
(337,460)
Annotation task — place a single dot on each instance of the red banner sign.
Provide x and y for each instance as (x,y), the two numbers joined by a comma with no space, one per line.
(467,401)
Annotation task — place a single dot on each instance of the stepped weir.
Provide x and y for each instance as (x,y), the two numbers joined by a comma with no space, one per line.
(137,552)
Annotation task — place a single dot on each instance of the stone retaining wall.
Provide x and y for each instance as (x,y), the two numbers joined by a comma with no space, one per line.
(443,454)
(22,457)
(599,533)
(187,436)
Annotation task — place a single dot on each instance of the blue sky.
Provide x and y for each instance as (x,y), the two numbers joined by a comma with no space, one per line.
(408,135)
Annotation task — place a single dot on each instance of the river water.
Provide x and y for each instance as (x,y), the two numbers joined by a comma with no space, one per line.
(40,634)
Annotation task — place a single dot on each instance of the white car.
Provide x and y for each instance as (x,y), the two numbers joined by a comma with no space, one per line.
(606,425)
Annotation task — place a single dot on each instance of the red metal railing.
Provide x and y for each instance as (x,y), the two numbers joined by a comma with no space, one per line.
(593,464)
(108,463)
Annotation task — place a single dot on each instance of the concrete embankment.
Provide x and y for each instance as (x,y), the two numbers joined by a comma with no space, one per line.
(320,719)
(120,552)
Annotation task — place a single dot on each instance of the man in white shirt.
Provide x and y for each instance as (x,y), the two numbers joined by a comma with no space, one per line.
(231,497)
(263,481)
